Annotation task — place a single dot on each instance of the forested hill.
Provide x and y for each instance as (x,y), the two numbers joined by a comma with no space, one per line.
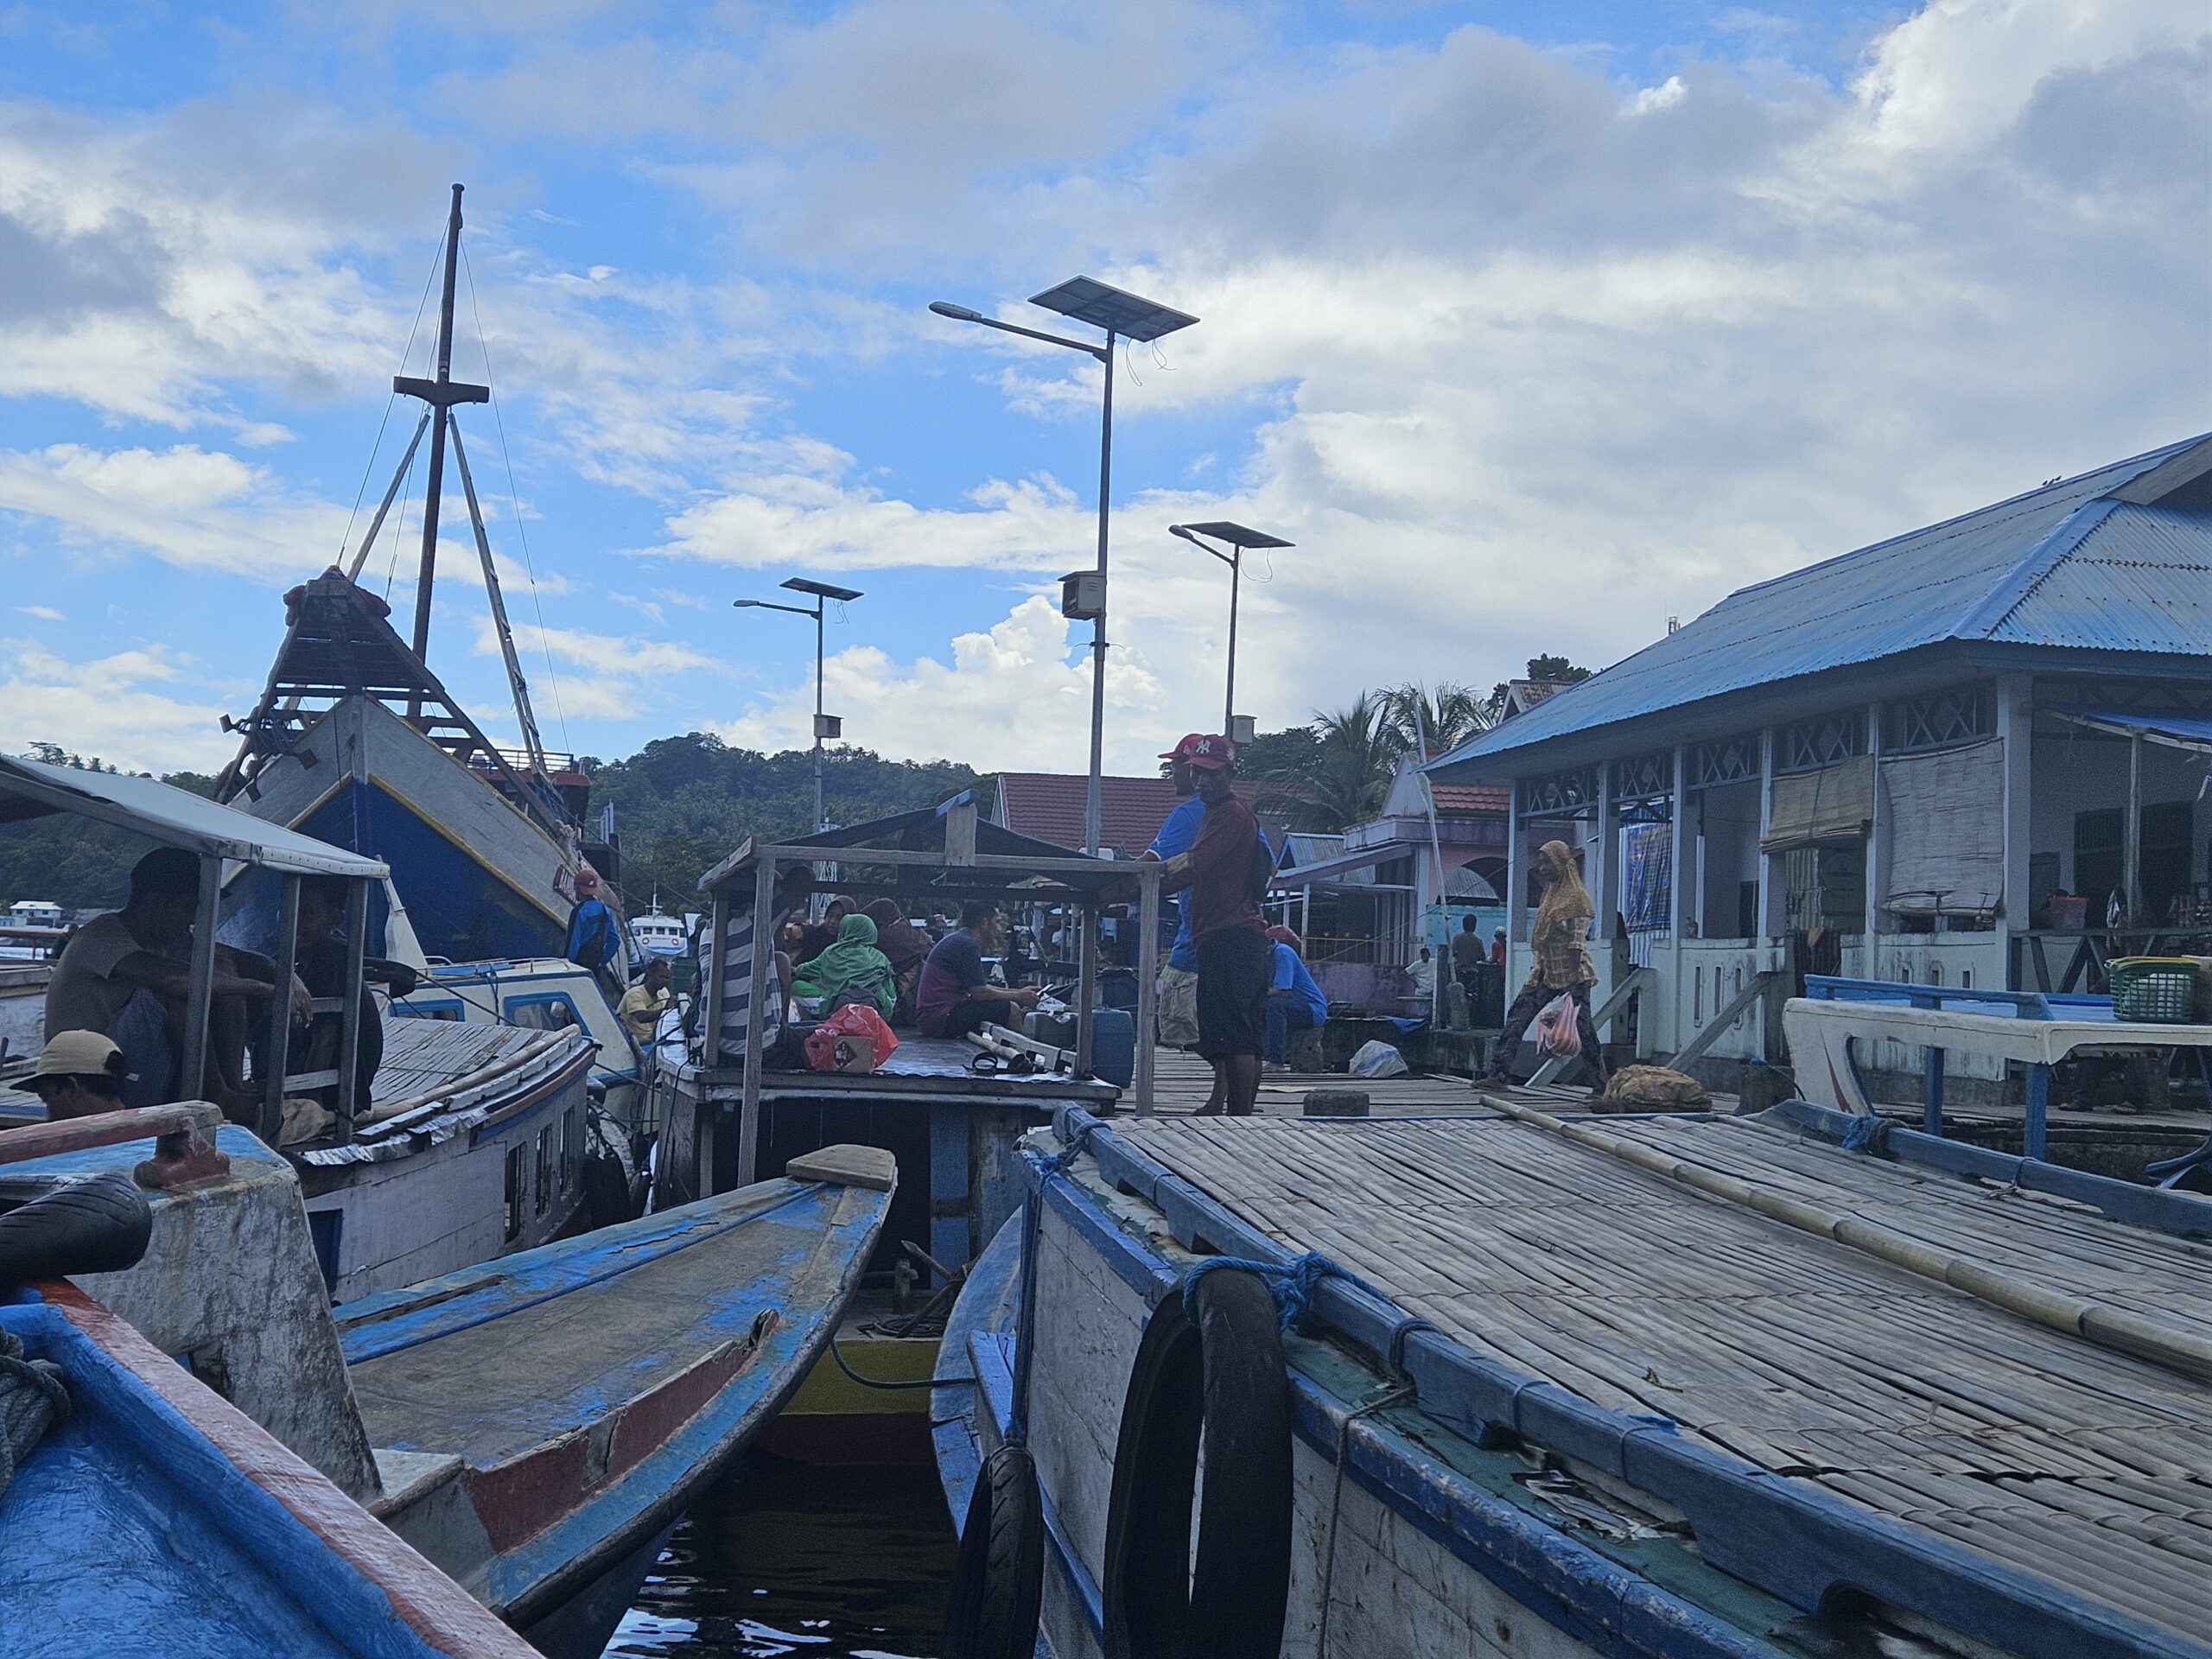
(681,802)
(680,805)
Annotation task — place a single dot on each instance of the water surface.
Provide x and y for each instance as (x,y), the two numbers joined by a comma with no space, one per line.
(800,1558)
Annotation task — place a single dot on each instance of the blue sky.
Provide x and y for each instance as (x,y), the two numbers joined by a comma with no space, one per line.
(1531,324)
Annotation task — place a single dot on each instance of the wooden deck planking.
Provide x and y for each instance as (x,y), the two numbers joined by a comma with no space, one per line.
(1181,1080)
(2087,1466)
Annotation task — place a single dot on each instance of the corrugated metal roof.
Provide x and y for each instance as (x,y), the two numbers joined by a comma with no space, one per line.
(2063,565)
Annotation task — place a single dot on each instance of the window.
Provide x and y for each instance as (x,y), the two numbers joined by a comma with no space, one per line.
(516,1193)
(553,1011)
(544,1171)
(414,1010)
(1938,720)
(1827,741)
(572,1148)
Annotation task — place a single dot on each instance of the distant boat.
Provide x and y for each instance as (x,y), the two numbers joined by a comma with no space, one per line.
(656,935)
(534,1426)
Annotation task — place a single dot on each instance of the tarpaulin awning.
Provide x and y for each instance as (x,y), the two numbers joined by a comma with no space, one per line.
(1329,869)
(176,818)
(2179,731)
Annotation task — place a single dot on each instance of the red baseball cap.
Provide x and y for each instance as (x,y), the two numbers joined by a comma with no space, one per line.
(1204,751)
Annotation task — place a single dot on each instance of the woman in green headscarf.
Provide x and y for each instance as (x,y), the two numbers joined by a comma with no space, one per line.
(850,971)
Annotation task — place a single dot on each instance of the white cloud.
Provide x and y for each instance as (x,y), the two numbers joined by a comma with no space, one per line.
(113,707)
(1016,694)
(588,676)
(197,509)
(44,612)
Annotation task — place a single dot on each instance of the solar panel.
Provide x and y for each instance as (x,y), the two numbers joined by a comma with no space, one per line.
(1221,530)
(1130,316)
(826,590)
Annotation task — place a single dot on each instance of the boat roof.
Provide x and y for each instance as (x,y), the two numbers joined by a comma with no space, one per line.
(174,816)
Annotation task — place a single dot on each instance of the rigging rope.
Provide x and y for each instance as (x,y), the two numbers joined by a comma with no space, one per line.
(390,397)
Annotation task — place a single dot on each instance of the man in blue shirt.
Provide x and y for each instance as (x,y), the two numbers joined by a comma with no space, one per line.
(1294,1001)
(593,936)
(1178,980)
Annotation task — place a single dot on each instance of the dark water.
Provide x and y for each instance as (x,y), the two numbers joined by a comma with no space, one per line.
(788,1558)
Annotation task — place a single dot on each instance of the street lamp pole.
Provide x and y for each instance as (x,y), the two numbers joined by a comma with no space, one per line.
(823,593)
(1239,538)
(1122,316)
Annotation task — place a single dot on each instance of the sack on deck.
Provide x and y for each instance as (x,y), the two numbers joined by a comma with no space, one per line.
(1652,1089)
(854,1020)
(1556,1036)
(1378,1059)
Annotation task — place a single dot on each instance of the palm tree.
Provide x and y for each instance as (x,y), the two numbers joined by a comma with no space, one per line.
(1419,721)
(1354,761)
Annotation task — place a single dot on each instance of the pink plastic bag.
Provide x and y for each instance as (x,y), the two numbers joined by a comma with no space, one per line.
(1556,1036)
(851,1020)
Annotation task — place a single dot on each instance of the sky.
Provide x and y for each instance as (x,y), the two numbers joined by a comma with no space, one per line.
(1531,324)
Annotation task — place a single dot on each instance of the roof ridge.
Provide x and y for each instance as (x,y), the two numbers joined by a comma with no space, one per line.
(2012,591)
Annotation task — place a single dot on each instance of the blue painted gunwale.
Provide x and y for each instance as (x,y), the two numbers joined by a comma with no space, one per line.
(2186,1215)
(1796,1543)
(259,1569)
(537,1574)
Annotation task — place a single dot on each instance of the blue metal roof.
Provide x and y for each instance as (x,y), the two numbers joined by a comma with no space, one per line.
(2063,565)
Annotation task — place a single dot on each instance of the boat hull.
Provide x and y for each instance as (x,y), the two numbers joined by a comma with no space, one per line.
(160,1520)
(658,1350)
(479,879)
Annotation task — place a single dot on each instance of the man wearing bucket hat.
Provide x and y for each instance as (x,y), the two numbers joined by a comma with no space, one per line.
(79,1074)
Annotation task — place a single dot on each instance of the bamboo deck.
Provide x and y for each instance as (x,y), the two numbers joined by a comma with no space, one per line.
(2086,1466)
(1181,1080)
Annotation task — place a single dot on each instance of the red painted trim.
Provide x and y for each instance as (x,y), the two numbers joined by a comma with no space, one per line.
(436,1608)
(517,1501)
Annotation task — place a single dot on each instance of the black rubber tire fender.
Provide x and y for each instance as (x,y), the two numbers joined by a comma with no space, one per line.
(99,1224)
(1224,1380)
(998,1581)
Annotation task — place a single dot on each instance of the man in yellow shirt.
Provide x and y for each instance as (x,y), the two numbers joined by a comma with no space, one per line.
(643,1004)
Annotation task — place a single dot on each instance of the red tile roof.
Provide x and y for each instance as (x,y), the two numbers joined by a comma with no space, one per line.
(1483,800)
(1049,806)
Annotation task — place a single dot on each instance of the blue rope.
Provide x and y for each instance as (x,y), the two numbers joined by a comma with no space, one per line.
(1063,1160)
(1292,1282)
(1865,1133)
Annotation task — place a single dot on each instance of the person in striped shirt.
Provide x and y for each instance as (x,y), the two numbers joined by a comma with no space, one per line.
(792,888)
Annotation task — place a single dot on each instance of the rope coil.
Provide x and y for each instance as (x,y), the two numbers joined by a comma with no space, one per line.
(33,1399)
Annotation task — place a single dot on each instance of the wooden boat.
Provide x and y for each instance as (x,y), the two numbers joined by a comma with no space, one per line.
(533,1427)
(159,1519)
(1653,1386)
(473,1140)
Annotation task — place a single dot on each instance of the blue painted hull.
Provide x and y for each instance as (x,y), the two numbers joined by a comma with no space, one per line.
(460,910)
(667,1343)
(137,1527)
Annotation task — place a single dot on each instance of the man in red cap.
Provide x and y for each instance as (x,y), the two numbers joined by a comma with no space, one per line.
(1178,978)
(1227,870)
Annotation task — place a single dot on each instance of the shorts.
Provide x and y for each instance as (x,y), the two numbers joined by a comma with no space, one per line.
(1233,994)
(1179,1008)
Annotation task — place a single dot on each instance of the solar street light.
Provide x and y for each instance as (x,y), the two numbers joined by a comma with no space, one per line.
(1122,315)
(1238,537)
(824,725)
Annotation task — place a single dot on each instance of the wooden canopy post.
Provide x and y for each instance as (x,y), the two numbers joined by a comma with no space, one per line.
(1086,982)
(1147,959)
(349,1028)
(277,1049)
(200,998)
(2131,846)
(749,1111)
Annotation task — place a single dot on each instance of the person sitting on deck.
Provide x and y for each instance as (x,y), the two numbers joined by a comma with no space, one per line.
(643,1004)
(1294,1000)
(1227,870)
(851,971)
(128,975)
(79,1074)
(1562,963)
(955,996)
(791,889)
(906,946)
(1422,970)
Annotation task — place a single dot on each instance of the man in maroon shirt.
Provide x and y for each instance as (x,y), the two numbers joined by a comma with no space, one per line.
(1226,870)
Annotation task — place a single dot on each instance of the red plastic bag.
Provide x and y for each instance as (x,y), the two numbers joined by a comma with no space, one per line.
(1556,1036)
(850,1021)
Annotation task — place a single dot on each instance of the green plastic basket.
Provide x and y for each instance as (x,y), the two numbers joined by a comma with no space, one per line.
(2154,990)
